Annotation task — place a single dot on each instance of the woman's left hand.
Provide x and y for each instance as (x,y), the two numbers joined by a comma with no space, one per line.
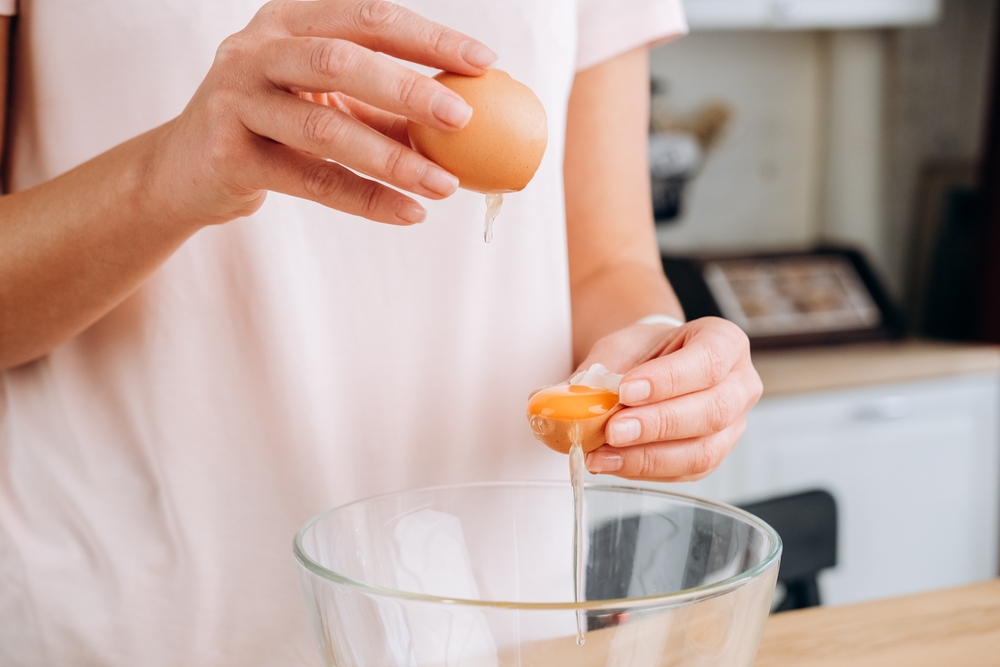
(687,391)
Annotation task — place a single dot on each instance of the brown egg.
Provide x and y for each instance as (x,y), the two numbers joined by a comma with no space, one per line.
(566,413)
(501,147)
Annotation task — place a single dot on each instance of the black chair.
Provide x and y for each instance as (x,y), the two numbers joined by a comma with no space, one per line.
(807,524)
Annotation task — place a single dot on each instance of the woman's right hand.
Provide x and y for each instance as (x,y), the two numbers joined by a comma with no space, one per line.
(300,98)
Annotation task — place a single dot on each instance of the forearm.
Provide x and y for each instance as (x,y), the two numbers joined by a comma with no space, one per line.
(74,247)
(614,262)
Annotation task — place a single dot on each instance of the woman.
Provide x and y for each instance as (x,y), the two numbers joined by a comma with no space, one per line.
(194,366)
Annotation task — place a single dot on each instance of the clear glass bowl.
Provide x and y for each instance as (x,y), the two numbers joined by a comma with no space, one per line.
(482,575)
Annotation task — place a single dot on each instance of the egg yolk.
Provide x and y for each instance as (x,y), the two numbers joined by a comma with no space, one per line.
(570,402)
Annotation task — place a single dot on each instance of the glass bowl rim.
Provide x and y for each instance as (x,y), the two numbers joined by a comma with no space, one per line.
(677,598)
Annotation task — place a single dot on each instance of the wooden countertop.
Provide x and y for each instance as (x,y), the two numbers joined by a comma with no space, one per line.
(826,368)
(956,627)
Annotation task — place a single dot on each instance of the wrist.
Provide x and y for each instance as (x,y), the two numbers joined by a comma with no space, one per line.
(184,192)
(161,199)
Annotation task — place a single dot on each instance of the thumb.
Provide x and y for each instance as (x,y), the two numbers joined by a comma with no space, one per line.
(623,350)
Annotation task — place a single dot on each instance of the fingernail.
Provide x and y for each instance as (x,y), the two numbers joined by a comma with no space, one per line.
(410,212)
(439,181)
(451,110)
(634,391)
(601,461)
(478,55)
(624,431)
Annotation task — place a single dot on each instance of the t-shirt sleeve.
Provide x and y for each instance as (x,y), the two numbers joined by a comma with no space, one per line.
(8,7)
(607,28)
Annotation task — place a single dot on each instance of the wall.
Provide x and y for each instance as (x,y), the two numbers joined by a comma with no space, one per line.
(760,186)
(793,168)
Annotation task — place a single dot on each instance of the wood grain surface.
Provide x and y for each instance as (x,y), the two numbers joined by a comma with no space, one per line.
(842,367)
(952,628)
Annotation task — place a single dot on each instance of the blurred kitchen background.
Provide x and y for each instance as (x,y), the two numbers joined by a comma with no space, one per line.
(817,169)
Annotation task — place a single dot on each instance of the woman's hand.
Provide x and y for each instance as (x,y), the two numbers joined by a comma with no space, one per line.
(687,391)
(301,95)
(299,102)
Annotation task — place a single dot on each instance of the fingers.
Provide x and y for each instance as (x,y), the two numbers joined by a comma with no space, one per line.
(330,133)
(383,122)
(318,65)
(689,416)
(627,348)
(389,124)
(680,461)
(688,396)
(383,26)
(284,170)
(710,349)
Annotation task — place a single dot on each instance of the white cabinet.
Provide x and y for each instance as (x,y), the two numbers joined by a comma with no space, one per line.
(800,14)
(913,467)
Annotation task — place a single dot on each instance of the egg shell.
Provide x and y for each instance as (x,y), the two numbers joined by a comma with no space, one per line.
(502,145)
(555,433)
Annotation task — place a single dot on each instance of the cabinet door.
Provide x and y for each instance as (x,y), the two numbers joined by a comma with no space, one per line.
(914,470)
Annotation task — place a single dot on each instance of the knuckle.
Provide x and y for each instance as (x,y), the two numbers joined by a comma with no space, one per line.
(284,12)
(396,163)
(409,91)
(273,8)
(723,323)
(669,380)
(707,458)
(331,57)
(231,50)
(734,332)
(439,37)
(320,127)
(377,16)
(714,362)
(723,410)
(280,9)
(322,180)
(646,464)
(369,197)
(664,427)
(222,54)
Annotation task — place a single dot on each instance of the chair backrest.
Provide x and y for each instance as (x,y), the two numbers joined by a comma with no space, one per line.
(807,524)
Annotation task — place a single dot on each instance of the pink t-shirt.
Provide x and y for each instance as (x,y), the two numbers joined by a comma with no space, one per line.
(154,469)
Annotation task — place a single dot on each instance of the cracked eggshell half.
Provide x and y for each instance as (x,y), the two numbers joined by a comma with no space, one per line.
(575,411)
